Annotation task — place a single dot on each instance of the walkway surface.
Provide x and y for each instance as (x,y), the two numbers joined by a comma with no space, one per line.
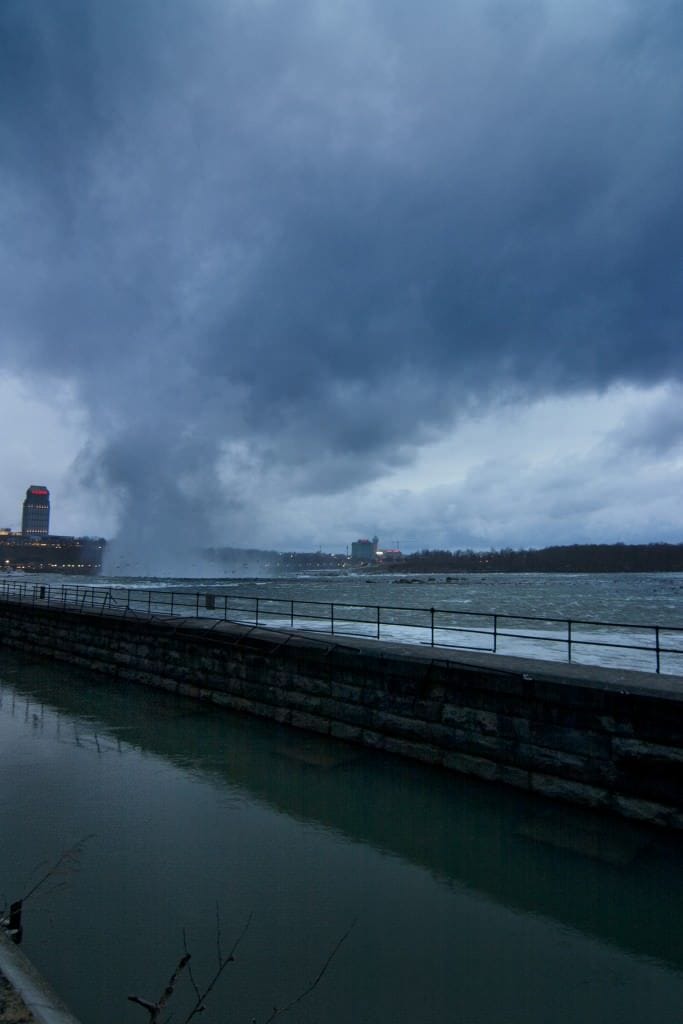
(25,996)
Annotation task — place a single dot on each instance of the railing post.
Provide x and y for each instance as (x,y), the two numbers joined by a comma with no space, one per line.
(431,613)
(495,633)
(256,617)
(332,617)
(291,614)
(196,604)
(657,646)
(569,640)
(172,597)
(378,620)
(149,602)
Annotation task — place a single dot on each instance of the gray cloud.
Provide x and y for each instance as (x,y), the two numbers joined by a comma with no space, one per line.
(324,231)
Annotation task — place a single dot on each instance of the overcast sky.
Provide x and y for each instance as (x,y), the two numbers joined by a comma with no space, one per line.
(283,273)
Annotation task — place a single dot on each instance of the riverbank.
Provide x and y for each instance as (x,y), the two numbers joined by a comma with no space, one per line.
(608,739)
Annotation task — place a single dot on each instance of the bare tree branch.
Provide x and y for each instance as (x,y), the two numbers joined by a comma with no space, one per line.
(154,1009)
(67,862)
(279,1012)
(222,964)
(219,950)
(193,982)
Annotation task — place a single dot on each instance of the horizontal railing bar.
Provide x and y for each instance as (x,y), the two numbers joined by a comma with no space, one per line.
(192,596)
(344,617)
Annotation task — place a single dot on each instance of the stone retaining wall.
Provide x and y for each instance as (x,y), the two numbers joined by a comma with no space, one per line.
(603,738)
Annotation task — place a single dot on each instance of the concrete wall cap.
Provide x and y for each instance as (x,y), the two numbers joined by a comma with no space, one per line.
(38,997)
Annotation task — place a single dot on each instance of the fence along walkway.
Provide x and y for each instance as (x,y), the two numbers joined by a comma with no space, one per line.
(615,644)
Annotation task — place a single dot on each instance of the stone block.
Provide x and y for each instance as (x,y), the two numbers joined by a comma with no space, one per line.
(573,741)
(568,693)
(466,764)
(313,723)
(373,739)
(642,751)
(473,742)
(371,696)
(427,710)
(569,789)
(342,731)
(304,684)
(346,693)
(517,777)
(416,751)
(282,715)
(303,702)
(394,704)
(514,728)
(601,773)
(647,810)
(454,714)
(395,725)
(160,682)
(351,714)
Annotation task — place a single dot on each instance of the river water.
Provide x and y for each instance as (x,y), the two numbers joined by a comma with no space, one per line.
(467,601)
(471,903)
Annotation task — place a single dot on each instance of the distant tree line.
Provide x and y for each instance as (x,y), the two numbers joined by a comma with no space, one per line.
(561,558)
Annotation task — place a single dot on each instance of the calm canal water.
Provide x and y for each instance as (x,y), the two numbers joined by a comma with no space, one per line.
(472,903)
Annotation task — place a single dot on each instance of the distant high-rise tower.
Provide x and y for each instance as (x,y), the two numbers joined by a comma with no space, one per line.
(36,513)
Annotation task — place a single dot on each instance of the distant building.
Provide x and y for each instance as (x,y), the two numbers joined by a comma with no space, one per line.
(390,555)
(73,555)
(35,550)
(35,519)
(364,550)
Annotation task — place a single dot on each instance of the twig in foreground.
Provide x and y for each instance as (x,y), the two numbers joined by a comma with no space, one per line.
(279,1012)
(154,1009)
(223,962)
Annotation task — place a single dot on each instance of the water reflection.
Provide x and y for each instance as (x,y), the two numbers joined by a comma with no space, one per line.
(150,770)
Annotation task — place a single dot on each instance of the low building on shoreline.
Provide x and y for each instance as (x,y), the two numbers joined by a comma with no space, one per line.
(78,555)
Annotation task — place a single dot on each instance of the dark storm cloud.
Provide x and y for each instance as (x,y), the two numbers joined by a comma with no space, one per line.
(324,229)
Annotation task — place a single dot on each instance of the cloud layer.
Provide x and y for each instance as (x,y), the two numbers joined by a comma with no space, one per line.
(295,243)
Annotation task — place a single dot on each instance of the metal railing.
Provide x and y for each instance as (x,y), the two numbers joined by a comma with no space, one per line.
(626,645)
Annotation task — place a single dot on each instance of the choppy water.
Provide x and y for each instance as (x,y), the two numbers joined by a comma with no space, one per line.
(638,601)
(472,903)
(648,598)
